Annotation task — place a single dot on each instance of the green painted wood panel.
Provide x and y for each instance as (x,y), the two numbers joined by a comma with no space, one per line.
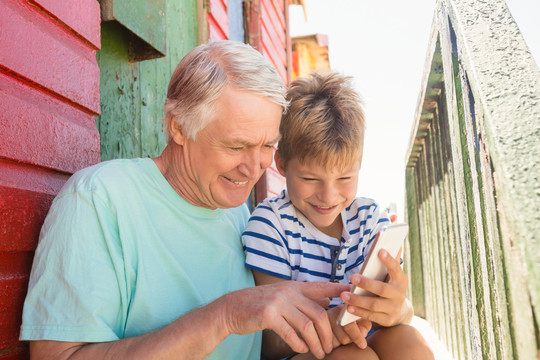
(133,93)
(144,20)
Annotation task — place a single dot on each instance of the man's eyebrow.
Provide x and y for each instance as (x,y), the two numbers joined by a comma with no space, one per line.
(247,142)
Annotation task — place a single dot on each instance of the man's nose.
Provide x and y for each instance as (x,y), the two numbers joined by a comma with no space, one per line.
(255,161)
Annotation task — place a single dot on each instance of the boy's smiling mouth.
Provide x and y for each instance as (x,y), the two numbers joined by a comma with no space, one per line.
(324,209)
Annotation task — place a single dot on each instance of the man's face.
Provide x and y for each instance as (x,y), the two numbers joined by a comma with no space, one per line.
(232,152)
(321,194)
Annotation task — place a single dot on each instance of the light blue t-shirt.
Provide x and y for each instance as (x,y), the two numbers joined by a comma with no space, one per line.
(122,254)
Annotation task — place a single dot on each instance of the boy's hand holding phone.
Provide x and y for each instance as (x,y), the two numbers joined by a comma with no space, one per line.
(389,307)
(376,300)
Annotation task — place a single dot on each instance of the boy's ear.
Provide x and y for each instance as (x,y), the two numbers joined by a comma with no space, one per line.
(177,134)
(279,163)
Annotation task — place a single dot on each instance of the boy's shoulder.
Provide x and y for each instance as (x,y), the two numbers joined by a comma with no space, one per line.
(363,208)
(278,203)
(362,203)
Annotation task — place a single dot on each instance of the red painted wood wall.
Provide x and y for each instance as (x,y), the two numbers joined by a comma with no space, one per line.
(49,96)
(218,20)
(268,32)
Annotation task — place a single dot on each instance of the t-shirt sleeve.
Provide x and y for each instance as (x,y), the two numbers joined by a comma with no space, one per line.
(77,285)
(265,243)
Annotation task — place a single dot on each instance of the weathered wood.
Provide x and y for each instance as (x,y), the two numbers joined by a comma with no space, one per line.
(471,172)
(133,94)
(49,96)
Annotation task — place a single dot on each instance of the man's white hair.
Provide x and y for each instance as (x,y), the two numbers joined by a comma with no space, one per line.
(204,73)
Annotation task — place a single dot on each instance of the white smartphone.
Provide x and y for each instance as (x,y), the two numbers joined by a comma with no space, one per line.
(389,238)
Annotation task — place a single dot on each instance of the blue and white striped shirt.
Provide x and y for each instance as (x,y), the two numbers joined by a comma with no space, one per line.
(280,241)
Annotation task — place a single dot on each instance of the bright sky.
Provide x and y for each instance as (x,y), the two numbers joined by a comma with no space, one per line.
(383,45)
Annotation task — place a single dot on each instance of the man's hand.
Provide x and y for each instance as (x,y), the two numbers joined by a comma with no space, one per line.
(289,308)
(354,332)
(390,307)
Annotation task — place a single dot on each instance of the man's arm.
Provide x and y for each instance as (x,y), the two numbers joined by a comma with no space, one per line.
(182,336)
(288,308)
(273,347)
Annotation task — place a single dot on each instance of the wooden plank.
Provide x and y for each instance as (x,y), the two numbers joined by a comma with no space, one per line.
(270,39)
(26,193)
(273,36)
(278,7)
(278,62)
(215,30)
(62,137)
(253,29)
(81,16)
(14,272)
(275,27)
(23,213)
(145,20)
(269,51)
(218,11)
(132,94)
(48,56)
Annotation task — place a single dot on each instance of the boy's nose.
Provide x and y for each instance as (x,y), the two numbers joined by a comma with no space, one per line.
(327,194)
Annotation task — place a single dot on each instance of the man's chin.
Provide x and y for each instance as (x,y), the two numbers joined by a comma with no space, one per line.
(233,203)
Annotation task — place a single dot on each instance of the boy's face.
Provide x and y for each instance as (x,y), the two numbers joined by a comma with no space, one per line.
(320,194)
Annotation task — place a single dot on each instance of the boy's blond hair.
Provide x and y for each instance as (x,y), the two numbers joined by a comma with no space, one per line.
(324,123)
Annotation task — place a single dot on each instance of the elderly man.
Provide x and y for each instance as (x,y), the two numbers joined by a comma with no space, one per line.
(142,258)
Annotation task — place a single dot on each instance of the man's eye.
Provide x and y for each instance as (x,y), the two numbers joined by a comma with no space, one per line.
(236,148)
(345,178)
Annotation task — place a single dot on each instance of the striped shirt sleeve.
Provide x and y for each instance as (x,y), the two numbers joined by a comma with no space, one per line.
(265,243)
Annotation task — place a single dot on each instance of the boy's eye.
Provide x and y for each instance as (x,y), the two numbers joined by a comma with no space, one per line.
(309,179)
(345,178)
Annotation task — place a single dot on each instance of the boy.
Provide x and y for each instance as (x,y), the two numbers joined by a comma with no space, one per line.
(317,230)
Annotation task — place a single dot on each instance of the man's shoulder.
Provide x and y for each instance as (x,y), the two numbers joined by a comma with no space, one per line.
(103,174)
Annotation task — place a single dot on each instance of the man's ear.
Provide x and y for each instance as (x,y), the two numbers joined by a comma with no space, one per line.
(177,134)
(280,165)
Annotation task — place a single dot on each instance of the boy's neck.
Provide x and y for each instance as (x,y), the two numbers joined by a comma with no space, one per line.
(335,230)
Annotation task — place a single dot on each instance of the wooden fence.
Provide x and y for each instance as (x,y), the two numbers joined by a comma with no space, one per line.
(473,192)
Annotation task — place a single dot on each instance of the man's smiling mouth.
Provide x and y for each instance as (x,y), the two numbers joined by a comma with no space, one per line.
(236,182)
